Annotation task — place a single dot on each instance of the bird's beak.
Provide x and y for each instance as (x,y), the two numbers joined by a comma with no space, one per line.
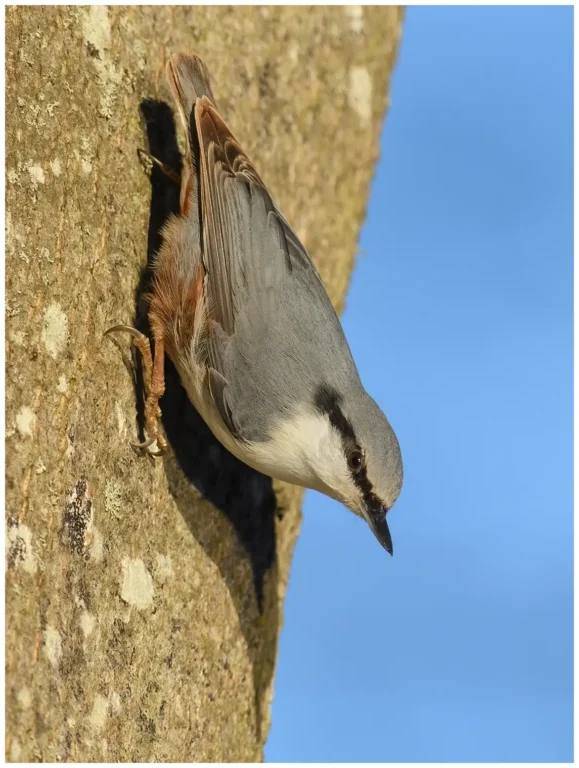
(378,524)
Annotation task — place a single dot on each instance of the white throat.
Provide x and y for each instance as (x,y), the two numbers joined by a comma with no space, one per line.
(305,450)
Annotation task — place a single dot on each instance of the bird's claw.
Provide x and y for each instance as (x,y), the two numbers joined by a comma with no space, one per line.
(163,167)
(153,389)
(146,444)
(126,329)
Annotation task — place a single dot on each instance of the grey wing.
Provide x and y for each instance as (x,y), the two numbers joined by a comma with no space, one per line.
(274,336)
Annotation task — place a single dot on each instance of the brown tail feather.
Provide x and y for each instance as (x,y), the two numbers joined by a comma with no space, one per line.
(189,80)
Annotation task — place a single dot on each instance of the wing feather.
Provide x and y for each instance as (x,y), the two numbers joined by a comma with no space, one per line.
(262,291)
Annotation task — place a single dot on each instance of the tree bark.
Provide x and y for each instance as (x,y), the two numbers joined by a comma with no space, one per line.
(144,599)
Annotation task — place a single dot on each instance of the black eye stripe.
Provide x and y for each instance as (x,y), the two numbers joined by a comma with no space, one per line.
(327,401)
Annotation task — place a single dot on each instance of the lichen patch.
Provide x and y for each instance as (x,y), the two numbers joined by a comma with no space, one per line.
(96,547)
(87,623)
(36,174)
(121,420)
(52,646)
(115,700)
(15,751)
(78,517)
(99,713)
(136,584)
(360,93)
(355,14)
(113,498)
(17,337)
(54,330)
(163,568)
(24,698)
(18,547)
(96,27)
(26,421)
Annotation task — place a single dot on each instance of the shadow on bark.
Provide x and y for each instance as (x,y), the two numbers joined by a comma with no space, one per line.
(245,498)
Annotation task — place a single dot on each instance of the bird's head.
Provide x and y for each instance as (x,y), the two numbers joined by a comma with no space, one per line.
(343,446)
(364,465)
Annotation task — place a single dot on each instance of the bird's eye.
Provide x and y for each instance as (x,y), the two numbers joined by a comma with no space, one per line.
(355,460)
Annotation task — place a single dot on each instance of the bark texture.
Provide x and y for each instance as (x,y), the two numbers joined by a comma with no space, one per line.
(144,600)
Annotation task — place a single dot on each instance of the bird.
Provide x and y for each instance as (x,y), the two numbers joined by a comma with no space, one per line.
(241,310)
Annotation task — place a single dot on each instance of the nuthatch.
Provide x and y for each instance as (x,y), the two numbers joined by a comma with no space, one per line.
(243,314)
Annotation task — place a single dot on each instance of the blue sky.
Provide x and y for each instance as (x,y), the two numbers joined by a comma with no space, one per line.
(459,315)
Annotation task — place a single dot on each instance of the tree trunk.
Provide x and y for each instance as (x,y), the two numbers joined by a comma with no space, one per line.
(144,599)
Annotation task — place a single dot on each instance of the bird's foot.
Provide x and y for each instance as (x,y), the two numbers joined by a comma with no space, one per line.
(154,380)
